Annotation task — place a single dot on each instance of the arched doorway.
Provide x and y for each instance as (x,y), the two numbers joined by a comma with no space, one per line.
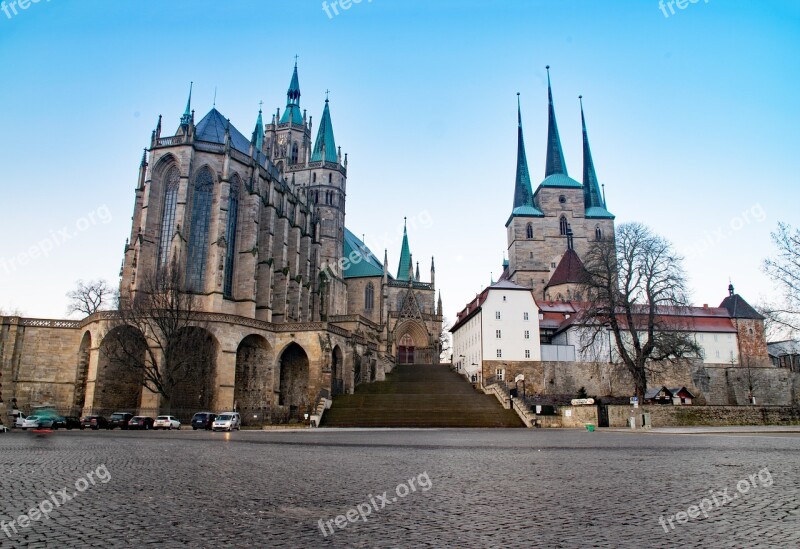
(191,370)
(251,394)
(293,385)
(118,384)
(82,374)
(337,372)
(405,350)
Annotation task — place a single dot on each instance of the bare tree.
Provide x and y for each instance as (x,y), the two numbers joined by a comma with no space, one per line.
(158,335)
(637,293)
(784,270)
(445,342)
(89,297)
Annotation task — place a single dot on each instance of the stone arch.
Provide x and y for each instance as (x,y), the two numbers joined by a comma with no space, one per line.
(82,373)
(338,378)
(118,383)
(293,378)
(251,390)
(191,357)
(411,343)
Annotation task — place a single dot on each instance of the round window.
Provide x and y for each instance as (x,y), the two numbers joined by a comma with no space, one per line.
(562,199)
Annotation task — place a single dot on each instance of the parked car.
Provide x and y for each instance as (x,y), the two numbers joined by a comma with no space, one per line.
(119,419)
(3,428)
(66,422)
(31,422)
(141,422)
(94,422)
(19,419)
(166,422)
(203,420)
(227,421)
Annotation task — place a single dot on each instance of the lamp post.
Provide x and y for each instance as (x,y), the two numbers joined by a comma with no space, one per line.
(476,376)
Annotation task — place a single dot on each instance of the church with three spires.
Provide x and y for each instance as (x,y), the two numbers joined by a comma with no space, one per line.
(550,229)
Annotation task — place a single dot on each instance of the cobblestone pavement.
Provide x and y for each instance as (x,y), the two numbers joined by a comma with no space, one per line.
(488,488)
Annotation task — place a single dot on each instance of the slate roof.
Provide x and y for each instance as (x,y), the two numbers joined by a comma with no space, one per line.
(739,308)
(212,129)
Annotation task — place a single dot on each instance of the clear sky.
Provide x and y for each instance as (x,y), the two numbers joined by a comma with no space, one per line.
(692,117)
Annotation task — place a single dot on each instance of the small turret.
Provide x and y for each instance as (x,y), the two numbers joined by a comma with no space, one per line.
(433,274)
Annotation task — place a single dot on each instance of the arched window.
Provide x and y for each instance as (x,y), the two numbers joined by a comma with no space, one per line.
(203,191)
(369,296)
(330,178)
(529,231)
(314,177)
(294,153)
(230,235)
(563,226)
(598,234)
(167,230)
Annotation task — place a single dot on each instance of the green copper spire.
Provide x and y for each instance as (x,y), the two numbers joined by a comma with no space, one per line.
(555,155)
(523,193)
(405,256)
(258,133)
(325,147)
(592,199)
(292,113)
(186,119)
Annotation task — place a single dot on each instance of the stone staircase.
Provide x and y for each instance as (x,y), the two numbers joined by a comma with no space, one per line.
(419,396)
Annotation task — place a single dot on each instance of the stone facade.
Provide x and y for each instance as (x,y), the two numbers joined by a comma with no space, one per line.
(256,230)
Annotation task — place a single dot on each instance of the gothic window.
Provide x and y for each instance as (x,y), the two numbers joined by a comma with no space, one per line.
(330,178)
(203,192)
(529,231)
(294,153)
(167,230)
(598,234)
(314,177)
(563,226)
(369,296)
(230,235)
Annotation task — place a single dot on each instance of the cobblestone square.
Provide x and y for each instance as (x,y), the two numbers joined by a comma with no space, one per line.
(403,488)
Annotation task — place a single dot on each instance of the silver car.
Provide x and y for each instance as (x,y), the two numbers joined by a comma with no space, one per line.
(227,421)
(166,422)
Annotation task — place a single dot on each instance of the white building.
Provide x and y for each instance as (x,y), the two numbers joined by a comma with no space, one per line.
(500,324)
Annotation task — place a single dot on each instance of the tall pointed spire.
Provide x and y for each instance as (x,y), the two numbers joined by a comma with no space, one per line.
(523,193)
(292,113)
(186,119)
(593,200)
(555,155)
(404,267)
(258,133)
(325,146)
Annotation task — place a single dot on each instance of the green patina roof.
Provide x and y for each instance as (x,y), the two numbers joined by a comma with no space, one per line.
(258,133)
(555,155)
(366,265)
(592,199)
(186,119)
(560,180)
(523,193)
(292,113)
(325,147)
(405,257)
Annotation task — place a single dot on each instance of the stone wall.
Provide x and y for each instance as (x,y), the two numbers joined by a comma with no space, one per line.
(681,416)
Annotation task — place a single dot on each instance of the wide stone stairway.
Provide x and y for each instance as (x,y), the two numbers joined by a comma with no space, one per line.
(419,396)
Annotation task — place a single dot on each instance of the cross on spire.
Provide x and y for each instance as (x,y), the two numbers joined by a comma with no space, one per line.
(326,94)
(295,59)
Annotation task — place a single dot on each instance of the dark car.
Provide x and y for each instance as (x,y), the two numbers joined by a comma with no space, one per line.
(94,422)
(66,422)
(119,419)
(203,420)
(140,422)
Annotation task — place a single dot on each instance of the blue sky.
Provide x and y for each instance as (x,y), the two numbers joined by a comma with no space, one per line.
(692,120)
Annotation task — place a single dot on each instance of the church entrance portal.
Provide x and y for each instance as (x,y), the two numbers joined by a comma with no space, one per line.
(405,350)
